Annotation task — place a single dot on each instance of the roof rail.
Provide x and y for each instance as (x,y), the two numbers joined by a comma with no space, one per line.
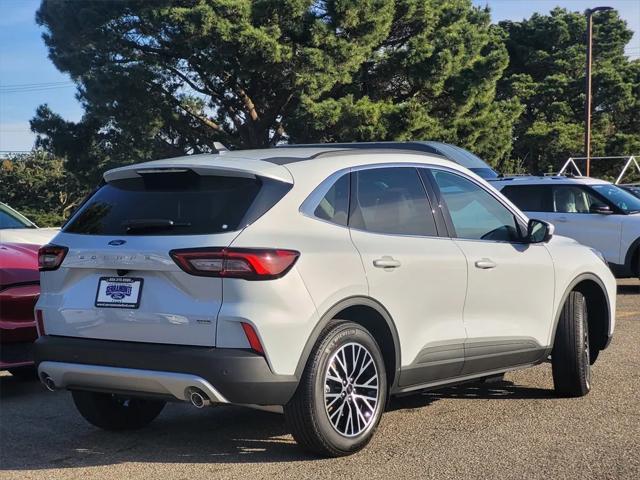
(220,147)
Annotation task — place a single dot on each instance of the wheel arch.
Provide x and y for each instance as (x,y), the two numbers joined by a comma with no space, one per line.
(631,258)
(370,314)
(598,308)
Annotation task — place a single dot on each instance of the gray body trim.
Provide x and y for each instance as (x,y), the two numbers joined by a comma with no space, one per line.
(627,269)
(503,352)
(434,363)
(452,361)
(459,380)
(580,278)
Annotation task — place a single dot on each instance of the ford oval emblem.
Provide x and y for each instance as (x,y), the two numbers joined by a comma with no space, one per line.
(116,243)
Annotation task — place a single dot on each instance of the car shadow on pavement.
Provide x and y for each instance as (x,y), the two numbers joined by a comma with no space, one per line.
(42,430)
(33,420)
(628,289)
(499,390)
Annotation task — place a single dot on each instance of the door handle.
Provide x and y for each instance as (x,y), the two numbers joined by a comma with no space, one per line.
(485,264)
(561,219)
(386,262)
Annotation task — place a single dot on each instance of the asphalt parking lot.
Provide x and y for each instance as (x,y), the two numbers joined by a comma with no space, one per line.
(515,429)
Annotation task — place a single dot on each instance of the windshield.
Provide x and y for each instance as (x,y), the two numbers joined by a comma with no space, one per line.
(9,218)
(622,199)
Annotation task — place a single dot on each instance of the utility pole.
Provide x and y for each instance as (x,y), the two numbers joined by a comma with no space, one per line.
(587,103)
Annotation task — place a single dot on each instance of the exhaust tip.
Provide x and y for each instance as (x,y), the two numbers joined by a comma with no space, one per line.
(198,399)
(48,382)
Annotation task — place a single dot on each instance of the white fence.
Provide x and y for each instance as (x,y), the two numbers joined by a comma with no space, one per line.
(630,161)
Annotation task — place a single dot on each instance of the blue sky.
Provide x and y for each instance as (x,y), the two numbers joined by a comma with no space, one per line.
(24,61)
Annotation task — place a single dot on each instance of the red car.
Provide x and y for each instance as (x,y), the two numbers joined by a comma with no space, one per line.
(19,291)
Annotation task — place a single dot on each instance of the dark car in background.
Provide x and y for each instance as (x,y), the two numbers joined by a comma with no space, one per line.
(632,188)
(19,291)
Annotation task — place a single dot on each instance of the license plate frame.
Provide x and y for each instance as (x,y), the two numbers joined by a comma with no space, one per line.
(119,294)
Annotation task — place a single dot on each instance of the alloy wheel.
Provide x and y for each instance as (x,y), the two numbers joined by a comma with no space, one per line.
(351,390)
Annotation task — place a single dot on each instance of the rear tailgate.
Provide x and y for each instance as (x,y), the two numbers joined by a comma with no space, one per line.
(173,306)
(118,280)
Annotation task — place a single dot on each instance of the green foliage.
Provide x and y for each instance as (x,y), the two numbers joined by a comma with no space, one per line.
(160,78)
(40,187)
(547,74)
(433,76)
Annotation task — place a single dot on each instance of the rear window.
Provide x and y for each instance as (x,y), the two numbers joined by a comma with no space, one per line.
(176,203)
(529,198)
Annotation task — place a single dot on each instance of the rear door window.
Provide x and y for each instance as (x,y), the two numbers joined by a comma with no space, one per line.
(392,201)
(175,203)
(529,198)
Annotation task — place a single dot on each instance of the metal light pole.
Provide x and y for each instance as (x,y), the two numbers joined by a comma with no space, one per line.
(587,103)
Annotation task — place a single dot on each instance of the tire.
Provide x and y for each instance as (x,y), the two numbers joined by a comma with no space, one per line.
(114,412)
(330,418)
(570,358)
(24,373)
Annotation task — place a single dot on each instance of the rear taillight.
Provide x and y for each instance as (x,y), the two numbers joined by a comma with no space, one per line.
(246,263)
(40,322)
(50,257)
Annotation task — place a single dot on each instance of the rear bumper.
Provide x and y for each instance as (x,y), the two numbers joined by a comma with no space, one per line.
(227,375)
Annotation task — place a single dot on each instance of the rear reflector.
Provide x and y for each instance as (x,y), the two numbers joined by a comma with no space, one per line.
(252,336)
(40,322)
(50,257)
(246,263)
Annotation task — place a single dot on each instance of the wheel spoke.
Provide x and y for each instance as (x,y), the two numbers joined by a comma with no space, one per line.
(366,401)
(367,384)
(337,414)
(355,357)
(363,368)
(365,421)
(336,375)
(342,365)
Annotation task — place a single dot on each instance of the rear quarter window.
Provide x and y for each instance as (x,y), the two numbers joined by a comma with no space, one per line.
(182,203)
(334,206)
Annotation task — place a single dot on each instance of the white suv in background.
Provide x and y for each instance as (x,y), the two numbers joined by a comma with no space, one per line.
(318,281)
(594,212)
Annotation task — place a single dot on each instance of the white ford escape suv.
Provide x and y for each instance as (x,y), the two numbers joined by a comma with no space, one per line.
(319,280)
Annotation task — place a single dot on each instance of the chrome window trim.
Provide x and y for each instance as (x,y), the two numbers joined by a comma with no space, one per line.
(517,214)
(308,206)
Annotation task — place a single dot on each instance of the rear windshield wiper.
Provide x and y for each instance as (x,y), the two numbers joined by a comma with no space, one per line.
(142,224)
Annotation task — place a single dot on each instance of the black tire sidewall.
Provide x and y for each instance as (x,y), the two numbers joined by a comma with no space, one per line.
(570,367)
(342,335)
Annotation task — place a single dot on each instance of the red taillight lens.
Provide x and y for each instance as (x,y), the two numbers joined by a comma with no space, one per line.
(252,336)
(246,263)
(50,257)
(40,322)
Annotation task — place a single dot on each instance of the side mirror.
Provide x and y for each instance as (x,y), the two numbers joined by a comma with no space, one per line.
(539,231)
(600,208)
